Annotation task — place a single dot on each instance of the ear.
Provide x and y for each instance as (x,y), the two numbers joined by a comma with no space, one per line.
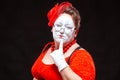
(52,29)
(76,32)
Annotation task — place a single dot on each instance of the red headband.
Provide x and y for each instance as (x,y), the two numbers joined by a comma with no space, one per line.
(55,12)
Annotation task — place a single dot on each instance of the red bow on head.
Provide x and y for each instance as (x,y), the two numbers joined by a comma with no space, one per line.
(56,11)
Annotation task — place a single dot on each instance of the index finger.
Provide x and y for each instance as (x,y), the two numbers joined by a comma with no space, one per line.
(61,45)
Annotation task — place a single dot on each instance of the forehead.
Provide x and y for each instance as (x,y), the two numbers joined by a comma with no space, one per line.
(65,18)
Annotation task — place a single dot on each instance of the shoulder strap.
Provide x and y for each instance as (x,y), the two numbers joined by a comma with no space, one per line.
(72,53)
(47,46)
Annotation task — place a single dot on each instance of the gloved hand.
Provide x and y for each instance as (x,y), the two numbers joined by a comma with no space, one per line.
(58,57)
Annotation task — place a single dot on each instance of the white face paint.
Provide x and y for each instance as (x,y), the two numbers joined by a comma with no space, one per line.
(64,28)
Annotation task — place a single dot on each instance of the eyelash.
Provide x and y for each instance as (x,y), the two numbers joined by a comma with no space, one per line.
(69,27)
(60,26)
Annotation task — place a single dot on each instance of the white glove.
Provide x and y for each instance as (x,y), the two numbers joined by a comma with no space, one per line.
(58,57)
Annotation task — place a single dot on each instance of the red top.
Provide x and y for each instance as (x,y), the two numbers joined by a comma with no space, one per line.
(81,63)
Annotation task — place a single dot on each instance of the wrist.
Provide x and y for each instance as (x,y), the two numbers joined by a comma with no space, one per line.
(62,65)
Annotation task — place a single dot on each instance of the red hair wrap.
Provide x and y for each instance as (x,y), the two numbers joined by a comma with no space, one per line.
(56,11)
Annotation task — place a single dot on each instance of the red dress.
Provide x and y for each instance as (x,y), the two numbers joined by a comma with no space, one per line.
(81,63)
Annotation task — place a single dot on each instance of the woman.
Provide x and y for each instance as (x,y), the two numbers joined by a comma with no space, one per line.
(65,59)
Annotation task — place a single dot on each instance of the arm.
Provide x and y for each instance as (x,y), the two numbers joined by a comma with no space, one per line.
(34,79)
(81,65)
(68,74)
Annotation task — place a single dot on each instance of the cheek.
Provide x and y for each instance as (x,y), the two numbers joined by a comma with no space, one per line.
(54,33)
(69,37)
(69,33)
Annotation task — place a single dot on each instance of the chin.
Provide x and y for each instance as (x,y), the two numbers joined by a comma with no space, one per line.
(58,40)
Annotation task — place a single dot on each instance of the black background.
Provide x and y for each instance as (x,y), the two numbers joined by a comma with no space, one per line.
(24,32)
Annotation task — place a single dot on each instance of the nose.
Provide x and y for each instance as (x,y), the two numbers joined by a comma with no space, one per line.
(62,30)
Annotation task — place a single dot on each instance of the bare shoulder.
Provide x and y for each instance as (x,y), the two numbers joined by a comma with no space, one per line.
(35,79)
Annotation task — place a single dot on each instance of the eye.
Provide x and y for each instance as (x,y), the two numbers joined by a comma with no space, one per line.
(69,27)
(58,25)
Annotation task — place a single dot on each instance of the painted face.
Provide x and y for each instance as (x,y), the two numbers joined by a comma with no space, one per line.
(64,28)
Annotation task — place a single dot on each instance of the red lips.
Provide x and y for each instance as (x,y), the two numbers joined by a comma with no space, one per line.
(61,36)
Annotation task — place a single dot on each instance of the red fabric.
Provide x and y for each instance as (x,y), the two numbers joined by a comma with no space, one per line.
(81,62)
(55,12)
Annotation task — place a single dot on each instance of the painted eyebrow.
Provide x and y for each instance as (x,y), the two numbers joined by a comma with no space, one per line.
(68,25)
(58,23)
